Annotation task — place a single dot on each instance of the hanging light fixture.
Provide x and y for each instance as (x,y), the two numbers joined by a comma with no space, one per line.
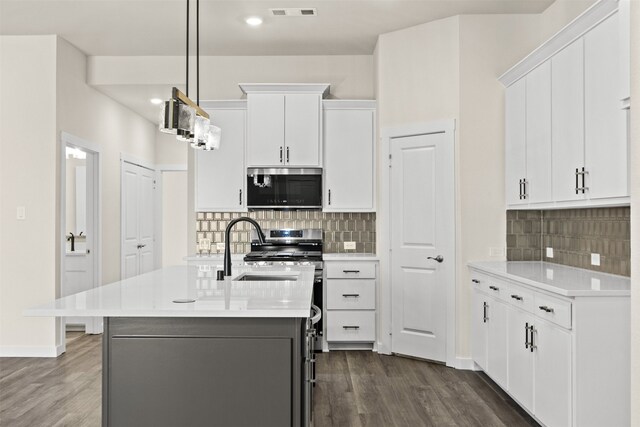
(181,116)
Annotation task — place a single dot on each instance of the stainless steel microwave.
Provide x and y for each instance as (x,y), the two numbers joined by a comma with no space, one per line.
(288,188)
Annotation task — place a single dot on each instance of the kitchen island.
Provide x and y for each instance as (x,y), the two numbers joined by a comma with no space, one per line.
(181,348)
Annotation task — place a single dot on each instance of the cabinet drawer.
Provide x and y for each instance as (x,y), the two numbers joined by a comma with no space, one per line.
(496,288)
(553,309)
(351,270)
(521,297)
(350,294)
(351,326)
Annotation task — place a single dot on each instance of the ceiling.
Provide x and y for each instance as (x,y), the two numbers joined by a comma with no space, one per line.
(157,27)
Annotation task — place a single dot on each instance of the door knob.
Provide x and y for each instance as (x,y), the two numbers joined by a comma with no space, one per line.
(141,246)
(438,258)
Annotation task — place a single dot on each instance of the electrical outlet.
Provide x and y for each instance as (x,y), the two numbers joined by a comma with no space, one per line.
(496,252)
(595,259)
(349,246)
(549,252)
(220,247)
(21,213)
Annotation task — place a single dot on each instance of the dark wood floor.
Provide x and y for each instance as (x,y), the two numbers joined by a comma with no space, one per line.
(354,388)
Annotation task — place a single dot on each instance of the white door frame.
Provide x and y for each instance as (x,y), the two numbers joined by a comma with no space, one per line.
(66,139)
(447,127)
(158,205)
(127,158)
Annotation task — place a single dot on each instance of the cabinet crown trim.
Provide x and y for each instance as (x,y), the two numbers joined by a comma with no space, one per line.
(319,88)
(572,31)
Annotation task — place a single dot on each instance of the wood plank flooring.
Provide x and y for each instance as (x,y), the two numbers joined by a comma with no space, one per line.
(354,388)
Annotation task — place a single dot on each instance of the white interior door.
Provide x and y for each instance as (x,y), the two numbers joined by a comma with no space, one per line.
(422,229)
(138,186)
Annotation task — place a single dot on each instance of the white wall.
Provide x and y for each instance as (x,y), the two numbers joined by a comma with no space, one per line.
(174,218)
(89,114)
(28,175)
(635,213)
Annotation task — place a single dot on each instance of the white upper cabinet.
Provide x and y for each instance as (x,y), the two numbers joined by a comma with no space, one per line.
(349,160)
(284,125)
(537,185)
(567,107)
(516,148)
(575,108)
(220,175)
(606,144)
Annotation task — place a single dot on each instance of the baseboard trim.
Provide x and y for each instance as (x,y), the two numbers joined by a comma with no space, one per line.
(465,363)
(31,351)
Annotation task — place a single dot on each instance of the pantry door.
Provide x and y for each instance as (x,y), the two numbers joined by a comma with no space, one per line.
(422,242)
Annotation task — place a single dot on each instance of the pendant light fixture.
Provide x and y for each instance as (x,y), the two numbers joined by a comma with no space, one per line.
(181,116)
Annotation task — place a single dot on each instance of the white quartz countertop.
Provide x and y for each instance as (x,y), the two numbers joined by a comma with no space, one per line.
(559,279)
(214,257)
(153,294)
(350,257)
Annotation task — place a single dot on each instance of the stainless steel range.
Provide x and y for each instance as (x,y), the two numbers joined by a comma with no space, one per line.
(292,247)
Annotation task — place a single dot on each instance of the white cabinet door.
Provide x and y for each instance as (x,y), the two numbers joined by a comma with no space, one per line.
(220,175)
(265,142)
(552,359)
(479,330)
(302,129)
(516,147)
(348,160)
(538,124)
(497,341)
(520,357)
(567,101)
(606,146)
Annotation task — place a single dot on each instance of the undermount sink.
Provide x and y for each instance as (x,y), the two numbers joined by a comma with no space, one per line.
(250,277)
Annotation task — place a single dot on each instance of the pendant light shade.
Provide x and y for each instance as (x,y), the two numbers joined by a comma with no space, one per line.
(213,137)
(176,118)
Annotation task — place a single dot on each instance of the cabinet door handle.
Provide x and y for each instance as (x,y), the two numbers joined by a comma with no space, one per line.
(329,196)
(240,197)
(287,154)
(475,280)
(351,295)
(516,297)
(532,346)
(584,186)
(525,184)
(141,246)
(351,271)
(577,185)
(520,188)
(484,312)
(546,309)
(494,288)
(280,154)
(351,327)
(526,335)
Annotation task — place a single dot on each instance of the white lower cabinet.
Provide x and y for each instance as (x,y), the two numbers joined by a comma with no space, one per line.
(350,308)
(563,359)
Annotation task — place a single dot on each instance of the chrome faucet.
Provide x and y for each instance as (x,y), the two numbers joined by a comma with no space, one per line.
(227,238)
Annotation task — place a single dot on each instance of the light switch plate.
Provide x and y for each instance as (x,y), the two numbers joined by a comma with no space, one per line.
(595,259)
(549,252)
(349,246)
(21,213)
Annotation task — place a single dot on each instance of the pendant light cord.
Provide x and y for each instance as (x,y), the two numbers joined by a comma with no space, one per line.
(198,52)
(187,67)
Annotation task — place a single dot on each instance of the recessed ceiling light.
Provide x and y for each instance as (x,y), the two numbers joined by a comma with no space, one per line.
(254,21)
(156,101)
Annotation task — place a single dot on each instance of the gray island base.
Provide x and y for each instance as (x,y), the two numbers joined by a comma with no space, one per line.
(204,372)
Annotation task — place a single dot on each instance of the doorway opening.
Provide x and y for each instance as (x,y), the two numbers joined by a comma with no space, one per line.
(80,228)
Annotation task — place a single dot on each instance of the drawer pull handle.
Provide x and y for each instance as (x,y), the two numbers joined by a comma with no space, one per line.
(351,271)
(351,327)
(516,297)
(351,295)
(494,288)
(475,280)
(545,308)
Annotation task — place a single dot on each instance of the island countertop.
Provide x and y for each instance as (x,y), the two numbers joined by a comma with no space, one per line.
(559,279)
(153,295)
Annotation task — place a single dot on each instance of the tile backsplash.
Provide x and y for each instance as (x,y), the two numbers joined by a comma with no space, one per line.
(338,228)
(574,234)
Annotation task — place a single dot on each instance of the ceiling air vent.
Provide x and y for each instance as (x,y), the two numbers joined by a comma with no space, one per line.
(294,11)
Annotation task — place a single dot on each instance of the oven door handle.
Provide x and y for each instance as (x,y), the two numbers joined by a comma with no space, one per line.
(317,314)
